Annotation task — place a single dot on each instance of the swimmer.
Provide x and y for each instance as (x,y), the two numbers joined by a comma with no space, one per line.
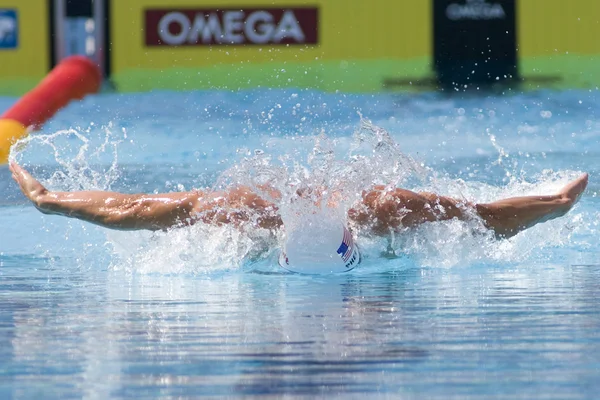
(380,210)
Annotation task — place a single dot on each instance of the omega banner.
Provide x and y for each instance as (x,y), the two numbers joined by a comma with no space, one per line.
(351,45)
(235,26)
(475,41)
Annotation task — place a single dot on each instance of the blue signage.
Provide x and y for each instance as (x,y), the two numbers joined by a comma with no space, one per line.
(9,29)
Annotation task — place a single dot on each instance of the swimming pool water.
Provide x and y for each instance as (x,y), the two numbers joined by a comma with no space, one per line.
(86,312)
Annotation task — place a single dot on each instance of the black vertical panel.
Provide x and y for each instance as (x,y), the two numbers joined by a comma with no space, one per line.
(51,35)
(474,42)
(79,8)
(107,39)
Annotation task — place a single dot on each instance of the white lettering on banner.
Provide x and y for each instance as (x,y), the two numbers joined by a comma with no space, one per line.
(205,29)
(474,10)
(261,27)
(288,28)
(233,22)
(258,27)
(165,23)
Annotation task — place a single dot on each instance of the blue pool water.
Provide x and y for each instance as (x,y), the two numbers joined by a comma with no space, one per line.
(205,311)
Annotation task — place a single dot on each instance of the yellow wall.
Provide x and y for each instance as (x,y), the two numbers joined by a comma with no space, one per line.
(23,67)
(547,27)
(361,44)
(349,30)
(559,43)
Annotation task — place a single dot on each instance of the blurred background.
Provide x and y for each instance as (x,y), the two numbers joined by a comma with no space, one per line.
(330,45)
(219,92)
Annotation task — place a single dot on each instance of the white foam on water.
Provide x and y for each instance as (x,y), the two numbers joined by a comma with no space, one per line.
(454,243)
(199,249)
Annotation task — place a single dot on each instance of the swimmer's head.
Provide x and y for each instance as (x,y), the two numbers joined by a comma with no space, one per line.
(319,249)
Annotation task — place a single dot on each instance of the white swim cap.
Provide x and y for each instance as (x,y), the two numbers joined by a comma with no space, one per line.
(327,248)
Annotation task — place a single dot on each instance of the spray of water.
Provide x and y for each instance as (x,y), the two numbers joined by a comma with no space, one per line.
(82,163)
(302,187)
(323,177)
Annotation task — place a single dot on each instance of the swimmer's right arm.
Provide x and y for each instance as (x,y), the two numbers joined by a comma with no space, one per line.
(109,209)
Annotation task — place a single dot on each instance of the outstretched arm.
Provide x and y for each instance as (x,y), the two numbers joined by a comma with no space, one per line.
(510,216)
(383,210)
(109,209)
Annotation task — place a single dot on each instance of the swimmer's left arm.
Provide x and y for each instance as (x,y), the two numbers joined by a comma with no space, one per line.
(109,209)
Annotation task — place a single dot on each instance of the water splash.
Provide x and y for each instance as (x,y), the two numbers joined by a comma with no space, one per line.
(456,243)
(82,162)
(335,170)
(301,187)
(199,249)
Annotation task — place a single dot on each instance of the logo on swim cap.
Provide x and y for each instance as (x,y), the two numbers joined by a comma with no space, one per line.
(346,249)
(320,250)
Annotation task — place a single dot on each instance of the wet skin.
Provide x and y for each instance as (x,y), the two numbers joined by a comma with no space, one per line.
(379,211)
